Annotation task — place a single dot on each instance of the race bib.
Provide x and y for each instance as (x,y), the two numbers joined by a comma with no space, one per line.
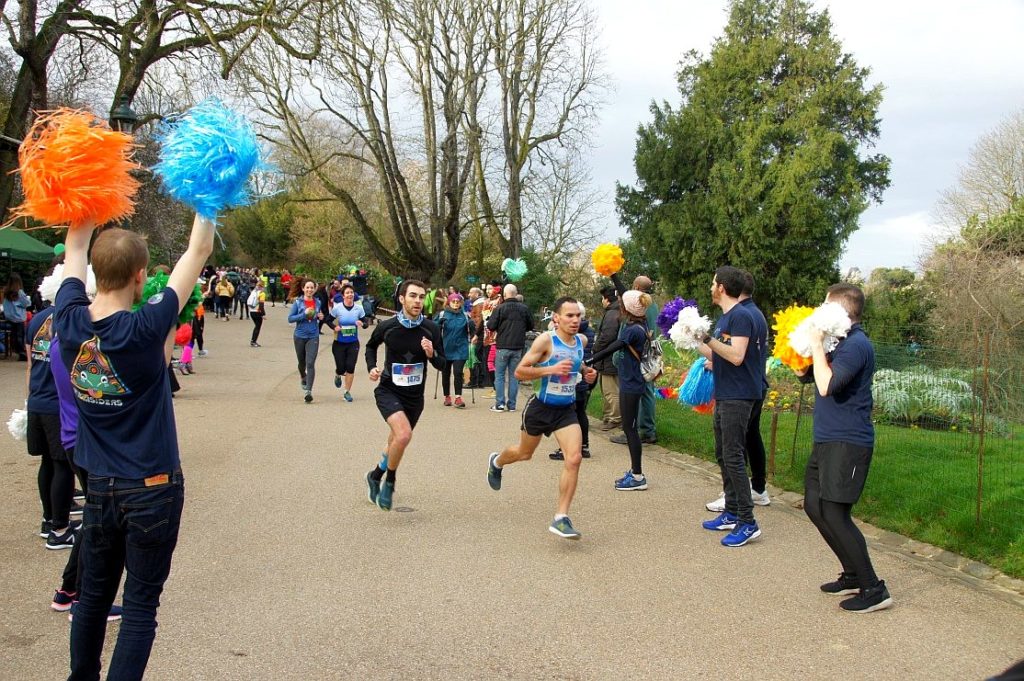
(349,332)
(407,374)
(563,386)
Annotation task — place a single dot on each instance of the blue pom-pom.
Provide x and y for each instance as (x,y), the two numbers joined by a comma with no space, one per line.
(207,157)
(699,386)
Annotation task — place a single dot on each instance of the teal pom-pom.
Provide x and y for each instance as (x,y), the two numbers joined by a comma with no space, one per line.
(157,283)
(514,269)
(207,157)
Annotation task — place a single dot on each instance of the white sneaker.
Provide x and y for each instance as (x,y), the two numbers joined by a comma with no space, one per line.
(760,498)
(716,506)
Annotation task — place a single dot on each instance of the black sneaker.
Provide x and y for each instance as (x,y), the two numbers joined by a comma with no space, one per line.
(55,542)
(586,452)
(44,529)
(868,600)
(556,455)
(308,397)
(846,584)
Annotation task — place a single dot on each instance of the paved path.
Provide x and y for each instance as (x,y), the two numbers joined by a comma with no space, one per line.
(284,571)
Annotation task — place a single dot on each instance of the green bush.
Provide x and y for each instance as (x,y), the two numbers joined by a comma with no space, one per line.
(935,399)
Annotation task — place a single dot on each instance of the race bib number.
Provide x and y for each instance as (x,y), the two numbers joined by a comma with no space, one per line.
(350,332)
(563,386)
(407,374)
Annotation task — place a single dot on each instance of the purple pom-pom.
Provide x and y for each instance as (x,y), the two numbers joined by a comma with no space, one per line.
(670,313)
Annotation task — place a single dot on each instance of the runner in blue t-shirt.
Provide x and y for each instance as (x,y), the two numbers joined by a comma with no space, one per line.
(844,440)
(555,361)
(735,350)
(126,435)
(348,316)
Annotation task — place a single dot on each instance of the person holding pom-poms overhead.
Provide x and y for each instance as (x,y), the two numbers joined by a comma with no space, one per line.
(736,349)
(127,439)
(844,440)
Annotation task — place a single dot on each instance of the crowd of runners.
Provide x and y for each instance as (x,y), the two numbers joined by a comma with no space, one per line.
(101,378)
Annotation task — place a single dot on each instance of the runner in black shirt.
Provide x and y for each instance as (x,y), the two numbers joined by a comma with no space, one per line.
(410,340)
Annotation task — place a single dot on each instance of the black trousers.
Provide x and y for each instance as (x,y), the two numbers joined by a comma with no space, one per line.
(257,320)
(446,376)
(629,407)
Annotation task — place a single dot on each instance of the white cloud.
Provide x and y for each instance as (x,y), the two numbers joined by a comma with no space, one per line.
(898,241)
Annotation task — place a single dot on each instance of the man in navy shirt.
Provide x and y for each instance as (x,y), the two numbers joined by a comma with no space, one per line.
(126,437)
(844,440)
(736,350)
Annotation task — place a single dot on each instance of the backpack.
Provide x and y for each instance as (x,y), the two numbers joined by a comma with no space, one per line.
(253,301)
(652,362)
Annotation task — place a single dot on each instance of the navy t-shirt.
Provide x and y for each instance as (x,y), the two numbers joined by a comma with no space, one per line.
(845,414)
(743,382)
(42,391)
(631,379)
(119,374)
(761,326)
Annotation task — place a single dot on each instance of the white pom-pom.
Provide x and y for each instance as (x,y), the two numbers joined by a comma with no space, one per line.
(49,286)
(829,318)
(689,328)
(18,424)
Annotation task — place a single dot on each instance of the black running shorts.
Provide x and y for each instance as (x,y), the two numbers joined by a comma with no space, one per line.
(43,436)
(542,419)
(345,357)
(841,469)
(390,402)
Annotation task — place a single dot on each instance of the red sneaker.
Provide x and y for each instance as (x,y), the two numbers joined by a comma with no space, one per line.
(459,404)
(447,401)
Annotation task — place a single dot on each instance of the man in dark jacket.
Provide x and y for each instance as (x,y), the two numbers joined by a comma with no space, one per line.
(510,321)
(608,375)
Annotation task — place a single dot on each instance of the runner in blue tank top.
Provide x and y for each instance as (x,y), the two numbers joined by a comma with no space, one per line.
(555,360)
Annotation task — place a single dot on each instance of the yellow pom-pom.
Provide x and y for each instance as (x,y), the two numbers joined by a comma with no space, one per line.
(785,322)
(607,259)
(75,169)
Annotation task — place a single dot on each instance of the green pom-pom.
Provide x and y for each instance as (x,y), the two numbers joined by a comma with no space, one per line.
(157,283)
(514,269)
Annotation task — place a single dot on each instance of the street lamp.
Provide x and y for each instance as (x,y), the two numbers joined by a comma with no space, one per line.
(122,117)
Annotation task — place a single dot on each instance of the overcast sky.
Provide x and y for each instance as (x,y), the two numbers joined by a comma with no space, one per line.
(951,71)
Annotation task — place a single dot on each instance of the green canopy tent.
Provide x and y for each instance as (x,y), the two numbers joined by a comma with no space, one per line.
(15,245)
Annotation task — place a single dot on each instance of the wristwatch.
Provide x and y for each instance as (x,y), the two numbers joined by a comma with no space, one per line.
(706,339)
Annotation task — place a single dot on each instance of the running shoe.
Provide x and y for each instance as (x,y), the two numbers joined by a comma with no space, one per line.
(337,381)
(586,452)
(564,529)
(868,600)
(372,488)
(114,615)
(387,492)
(447,401)
(62,600)
(629,483)
(44,529)
(497,408)
(309,396)
(459,404)
(741,534)
(76,509)
(253,344)
(493,472)
(725,521)
(556,455)
(845,585)
(718,505)
(56,542)
(348,396)
(203,353)
(760,498)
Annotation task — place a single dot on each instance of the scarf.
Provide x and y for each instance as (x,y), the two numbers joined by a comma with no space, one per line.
(409,323)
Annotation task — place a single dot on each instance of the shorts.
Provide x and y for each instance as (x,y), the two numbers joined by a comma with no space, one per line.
(390,402)
(542,419)
(841,469)
(43,436)
(345,357)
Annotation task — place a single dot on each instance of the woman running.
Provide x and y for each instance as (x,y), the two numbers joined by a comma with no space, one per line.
(305,313)
(346,338)
(456,330)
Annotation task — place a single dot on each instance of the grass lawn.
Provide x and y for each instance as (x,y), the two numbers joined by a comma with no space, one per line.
(923,484)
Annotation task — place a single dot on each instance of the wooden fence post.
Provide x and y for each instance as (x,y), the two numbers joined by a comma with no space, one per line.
(981,435)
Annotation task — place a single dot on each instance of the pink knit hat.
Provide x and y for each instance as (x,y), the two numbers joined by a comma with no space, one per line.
(631,303)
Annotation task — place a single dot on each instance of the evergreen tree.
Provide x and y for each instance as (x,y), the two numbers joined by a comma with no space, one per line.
(763,164)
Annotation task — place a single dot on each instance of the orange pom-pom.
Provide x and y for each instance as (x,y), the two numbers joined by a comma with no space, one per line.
(75,169)
(785,322)
(607,259)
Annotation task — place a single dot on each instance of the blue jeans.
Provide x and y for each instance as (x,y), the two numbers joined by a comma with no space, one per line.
(506,360)
(127,527)
(732,417)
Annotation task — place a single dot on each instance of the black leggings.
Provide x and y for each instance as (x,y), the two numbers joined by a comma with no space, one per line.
(198,324)
(755,450)
(456,365)
(56,487)
(257,320)
(346,356)
(836,526)
(629,406)
(581,415)
(70,582)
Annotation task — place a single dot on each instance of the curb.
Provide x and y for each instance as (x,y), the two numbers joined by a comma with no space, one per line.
(976,575)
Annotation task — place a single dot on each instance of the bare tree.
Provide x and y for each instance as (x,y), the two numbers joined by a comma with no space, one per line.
(559,207)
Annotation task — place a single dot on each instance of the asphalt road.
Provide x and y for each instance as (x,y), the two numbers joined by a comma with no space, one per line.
(284,571)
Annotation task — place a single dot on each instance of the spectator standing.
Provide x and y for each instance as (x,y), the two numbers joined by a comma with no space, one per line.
(15,306)
(510,322)
(608,374)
